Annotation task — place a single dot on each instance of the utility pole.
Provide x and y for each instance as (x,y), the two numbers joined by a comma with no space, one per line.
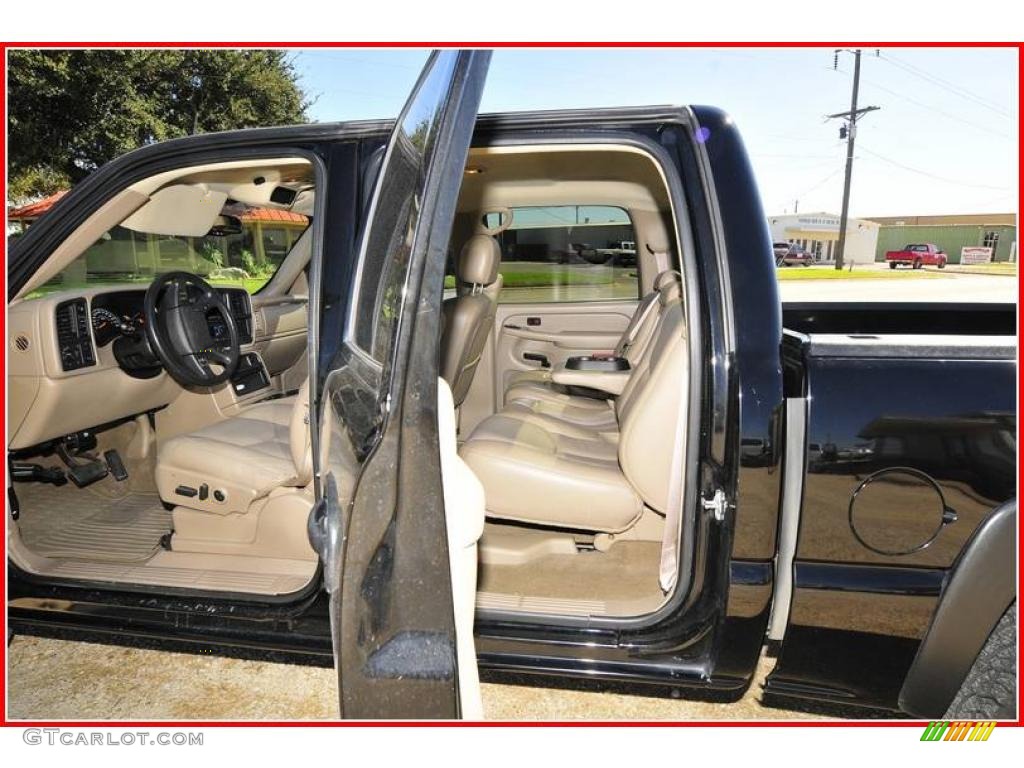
(849,131)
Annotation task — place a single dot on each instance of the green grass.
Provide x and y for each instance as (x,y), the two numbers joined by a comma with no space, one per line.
(995,268)
(531,275)
(251,284)
(825,273)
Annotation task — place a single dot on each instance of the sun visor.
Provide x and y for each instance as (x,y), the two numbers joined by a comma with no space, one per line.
(183,210)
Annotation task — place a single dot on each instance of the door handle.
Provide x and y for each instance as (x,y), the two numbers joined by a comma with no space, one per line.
(536,357)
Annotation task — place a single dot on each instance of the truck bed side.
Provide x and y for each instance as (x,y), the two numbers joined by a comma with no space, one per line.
(910,445)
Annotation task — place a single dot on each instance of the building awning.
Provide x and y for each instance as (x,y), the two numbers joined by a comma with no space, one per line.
(795,233)
(36,209)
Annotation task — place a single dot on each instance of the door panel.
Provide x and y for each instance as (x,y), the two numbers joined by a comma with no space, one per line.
(380,525)
(552,331)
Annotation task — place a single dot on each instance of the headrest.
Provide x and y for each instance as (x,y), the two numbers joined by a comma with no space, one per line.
(479,261)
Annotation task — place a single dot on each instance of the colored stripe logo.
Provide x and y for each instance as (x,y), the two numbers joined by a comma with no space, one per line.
(958,730)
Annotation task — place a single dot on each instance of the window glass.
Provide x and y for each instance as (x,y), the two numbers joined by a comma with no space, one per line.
(247,258)
(388,242)
(567,253)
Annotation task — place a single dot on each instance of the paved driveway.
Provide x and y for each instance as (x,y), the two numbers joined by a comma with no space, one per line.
(947,287)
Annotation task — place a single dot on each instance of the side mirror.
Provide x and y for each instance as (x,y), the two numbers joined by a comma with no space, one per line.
(225,226)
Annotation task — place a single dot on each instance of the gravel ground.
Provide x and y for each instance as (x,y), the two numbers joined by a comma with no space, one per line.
(57,679)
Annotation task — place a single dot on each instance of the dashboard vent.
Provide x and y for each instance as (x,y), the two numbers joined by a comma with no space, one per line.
(22,343)
(74,341)
(238,303)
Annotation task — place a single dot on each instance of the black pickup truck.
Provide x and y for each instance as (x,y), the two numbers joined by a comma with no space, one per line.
(419,448)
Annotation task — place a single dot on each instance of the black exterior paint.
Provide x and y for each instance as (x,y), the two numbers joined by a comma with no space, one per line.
(856,620)
(858,616)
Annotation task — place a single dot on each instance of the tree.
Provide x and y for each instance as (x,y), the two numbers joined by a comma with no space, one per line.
(70,112)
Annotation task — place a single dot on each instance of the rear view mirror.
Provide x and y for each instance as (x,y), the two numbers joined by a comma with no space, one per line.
(225,226)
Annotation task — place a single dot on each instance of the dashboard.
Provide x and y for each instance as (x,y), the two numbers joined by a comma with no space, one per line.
(70,363)
(117,316)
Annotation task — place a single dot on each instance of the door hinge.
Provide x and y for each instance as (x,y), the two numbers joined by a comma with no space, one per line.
(715,505)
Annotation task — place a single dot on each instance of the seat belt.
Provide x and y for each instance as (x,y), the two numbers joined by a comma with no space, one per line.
(669,568)
(647,305)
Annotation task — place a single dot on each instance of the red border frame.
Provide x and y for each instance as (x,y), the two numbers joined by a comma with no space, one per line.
(4,722)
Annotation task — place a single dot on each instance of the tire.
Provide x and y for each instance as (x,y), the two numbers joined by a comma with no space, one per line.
(942,264)
(892,265)
(989,691)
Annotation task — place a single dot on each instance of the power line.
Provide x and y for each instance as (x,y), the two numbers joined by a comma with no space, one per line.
(945,84)
(819,183)
(930,175)
(936,110)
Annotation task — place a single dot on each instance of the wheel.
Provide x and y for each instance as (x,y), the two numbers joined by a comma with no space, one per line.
(917,265)
(892,265)
(989,691)
(942,264)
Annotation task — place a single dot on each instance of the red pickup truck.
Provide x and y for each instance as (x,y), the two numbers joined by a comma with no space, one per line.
(917,255)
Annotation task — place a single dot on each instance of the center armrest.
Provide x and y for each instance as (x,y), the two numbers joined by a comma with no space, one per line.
(612,382)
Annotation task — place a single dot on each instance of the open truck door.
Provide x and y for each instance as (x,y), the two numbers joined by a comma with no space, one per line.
(397,515)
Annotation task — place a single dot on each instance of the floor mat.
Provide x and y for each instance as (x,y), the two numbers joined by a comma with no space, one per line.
(69,522)
(623,580)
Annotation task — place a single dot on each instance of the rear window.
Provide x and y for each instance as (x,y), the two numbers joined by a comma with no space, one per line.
(567,253)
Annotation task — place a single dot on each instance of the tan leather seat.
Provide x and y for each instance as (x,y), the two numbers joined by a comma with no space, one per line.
(539,468)
(468,317)
(266,446)
(534,391)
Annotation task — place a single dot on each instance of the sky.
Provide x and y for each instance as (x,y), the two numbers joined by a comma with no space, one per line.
(944,140)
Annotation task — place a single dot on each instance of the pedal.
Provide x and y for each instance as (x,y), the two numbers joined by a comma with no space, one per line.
(117,468)
(87,474)
(24,472)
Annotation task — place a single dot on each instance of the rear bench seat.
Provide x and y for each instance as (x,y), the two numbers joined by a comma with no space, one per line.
(556,459)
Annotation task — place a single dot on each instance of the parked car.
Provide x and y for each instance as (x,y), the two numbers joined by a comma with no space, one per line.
(306,471)
(795,255)
(917,255)
(780,249)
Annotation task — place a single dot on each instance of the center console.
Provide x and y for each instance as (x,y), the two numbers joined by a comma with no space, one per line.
(593,376)
(605,363)
(250,376)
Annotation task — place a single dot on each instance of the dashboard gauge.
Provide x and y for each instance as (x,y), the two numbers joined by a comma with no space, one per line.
(106,326)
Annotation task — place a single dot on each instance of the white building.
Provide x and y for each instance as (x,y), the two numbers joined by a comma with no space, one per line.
(819,233)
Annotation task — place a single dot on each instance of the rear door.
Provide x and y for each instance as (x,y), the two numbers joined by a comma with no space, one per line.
(402,640)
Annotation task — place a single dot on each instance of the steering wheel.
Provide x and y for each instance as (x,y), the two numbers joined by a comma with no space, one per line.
(176,312)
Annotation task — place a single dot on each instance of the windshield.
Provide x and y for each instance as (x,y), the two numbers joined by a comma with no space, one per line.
(244,250)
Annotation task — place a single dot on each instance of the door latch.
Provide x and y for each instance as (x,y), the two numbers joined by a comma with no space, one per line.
(715,505)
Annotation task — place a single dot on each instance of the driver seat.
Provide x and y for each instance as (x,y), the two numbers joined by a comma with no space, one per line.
(237,466)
